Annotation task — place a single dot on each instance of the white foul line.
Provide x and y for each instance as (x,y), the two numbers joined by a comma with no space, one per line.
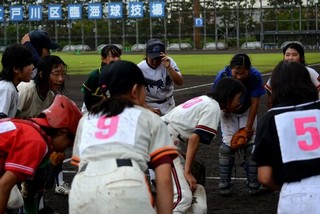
(197,86)
(208,84)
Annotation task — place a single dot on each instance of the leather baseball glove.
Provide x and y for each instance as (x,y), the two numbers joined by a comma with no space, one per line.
(240,138)
(57,158)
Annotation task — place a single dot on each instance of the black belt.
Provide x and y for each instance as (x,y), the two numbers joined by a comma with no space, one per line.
(180,138)
(124,162)
(161,101)
(120,163)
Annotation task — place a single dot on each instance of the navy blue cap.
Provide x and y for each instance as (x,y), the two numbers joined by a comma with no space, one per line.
(40,38)
(154,47)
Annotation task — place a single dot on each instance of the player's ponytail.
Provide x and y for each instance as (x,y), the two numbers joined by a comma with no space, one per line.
(111,106)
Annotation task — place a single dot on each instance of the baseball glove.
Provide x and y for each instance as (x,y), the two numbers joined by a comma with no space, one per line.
(57,158)
(240,138)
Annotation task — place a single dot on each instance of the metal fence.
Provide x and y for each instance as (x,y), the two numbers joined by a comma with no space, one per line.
(234,27)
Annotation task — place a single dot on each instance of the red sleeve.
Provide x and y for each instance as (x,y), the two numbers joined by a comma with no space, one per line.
(164,155)
(25,149)
(162,160)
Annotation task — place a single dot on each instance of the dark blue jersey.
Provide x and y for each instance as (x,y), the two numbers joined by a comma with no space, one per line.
(253,83)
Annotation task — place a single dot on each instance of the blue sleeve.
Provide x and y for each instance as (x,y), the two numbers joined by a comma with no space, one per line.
(259,89)
(35,55)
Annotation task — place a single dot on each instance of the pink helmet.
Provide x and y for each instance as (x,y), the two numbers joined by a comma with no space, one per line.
(63,113)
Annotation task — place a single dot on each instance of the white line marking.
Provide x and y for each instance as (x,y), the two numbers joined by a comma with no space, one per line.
(197,86)
(208,84)
(66,160)
(70,171)
(218,178)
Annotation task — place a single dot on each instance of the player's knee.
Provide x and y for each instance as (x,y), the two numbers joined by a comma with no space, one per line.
(199,202)
(225,151)
(185,202)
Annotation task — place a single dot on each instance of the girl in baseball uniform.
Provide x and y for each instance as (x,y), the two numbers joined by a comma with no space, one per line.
(244,119)
(294,52)
(25,146)
(115,143)
(90,88)
(161,73)
(194,122)
(16,67)
(34,97)
(287,140)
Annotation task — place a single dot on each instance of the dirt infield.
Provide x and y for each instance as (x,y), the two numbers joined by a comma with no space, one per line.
(240,202)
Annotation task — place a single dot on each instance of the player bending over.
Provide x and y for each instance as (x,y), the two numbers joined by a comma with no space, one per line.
(114,144)
(194,122)
(52,130)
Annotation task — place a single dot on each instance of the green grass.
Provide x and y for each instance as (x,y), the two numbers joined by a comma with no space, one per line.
(195,64)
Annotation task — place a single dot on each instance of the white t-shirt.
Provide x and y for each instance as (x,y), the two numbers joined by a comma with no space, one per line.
(314,76)
(30,104)
(9,98)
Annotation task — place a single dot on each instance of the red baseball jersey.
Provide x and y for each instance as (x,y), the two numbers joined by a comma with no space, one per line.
(22,148)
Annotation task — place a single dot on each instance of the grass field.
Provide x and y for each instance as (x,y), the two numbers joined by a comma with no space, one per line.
(191,64)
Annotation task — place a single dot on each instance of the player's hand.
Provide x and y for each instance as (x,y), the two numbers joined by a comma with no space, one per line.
(191,181)
(25,38)
(165,60)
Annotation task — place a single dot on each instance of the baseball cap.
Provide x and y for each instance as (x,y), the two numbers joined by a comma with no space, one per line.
(62,113)
(41,39)
(154,47)
(121,77)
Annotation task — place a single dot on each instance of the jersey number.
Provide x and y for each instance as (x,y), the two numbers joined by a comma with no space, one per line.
(301,130)
(191,102)
(108,126)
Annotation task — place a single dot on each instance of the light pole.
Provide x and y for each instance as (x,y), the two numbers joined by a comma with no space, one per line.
(238,46)
(316,3)
(261,24)
(69,33)
(215,25)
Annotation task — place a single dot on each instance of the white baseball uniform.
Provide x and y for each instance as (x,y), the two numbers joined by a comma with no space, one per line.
(200,115)
(9,98)
(30,104)
(159,91)
(113,154)
(314,76)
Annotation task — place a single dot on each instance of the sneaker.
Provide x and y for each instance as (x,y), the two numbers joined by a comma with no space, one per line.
(254,191)
(226,192)
(62,189)
(259,191)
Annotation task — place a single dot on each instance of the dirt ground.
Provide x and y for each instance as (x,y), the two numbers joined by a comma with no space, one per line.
(240,202)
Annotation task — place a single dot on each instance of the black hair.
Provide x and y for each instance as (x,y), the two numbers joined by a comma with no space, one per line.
(45,66)
(15,56)
(291,84)
(113,49)
(241,60)
(226,89)
(111,106)
(298,48)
